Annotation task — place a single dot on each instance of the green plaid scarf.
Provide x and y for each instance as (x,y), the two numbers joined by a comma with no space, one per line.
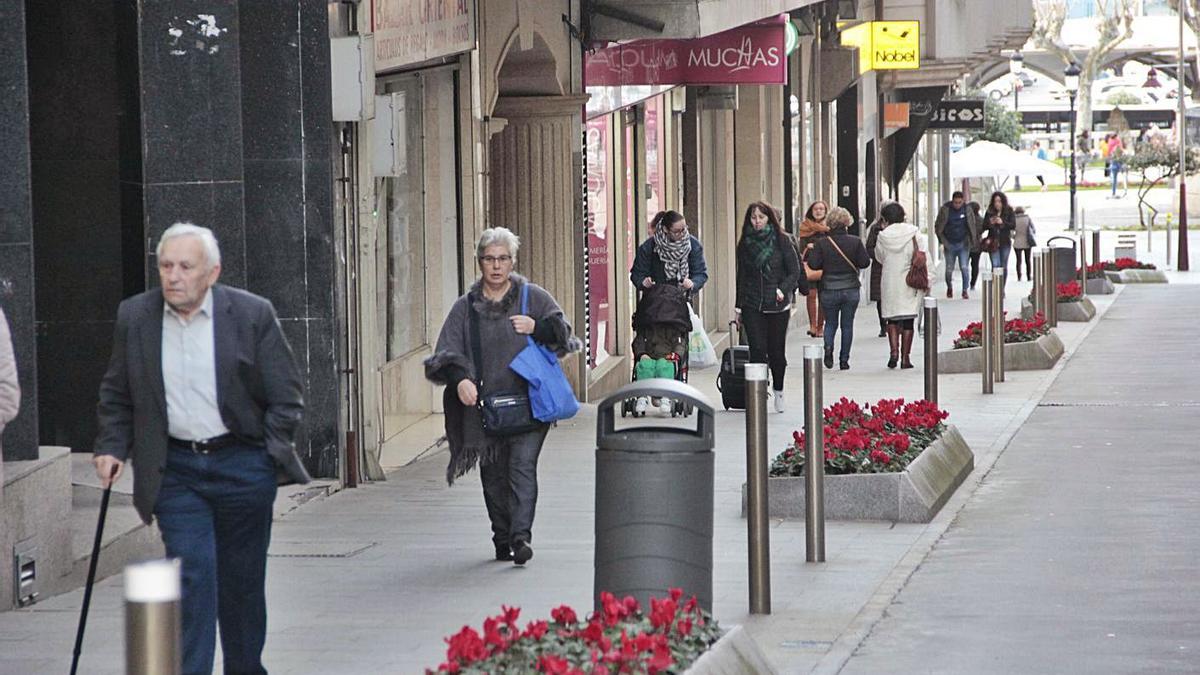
(760,244)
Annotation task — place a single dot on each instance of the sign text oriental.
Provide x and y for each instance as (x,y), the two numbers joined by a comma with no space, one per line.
(412,31)
(751,54)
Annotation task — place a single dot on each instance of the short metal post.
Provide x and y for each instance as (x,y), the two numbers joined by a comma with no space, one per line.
(1038,282)
(814,456)
(1050,260)
(153,643)
(988,332)
(1096,246)
(931,354)
(1168,240)
(756,479)
(1083,264)
(998,277)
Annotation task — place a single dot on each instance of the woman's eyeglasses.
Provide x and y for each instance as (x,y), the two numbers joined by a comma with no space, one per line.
(494,260)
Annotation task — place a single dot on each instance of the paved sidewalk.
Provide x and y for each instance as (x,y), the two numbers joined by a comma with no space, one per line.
(1078,551)
(370,580)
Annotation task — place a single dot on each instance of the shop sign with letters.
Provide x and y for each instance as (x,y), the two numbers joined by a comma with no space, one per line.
(412,31)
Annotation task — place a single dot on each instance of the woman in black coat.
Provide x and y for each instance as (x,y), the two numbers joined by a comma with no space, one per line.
(768,276)
(999,222)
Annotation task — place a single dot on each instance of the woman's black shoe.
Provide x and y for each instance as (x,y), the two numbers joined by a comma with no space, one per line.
(521,552)
(503,553)
(828,358)
(892,361)
(844,365)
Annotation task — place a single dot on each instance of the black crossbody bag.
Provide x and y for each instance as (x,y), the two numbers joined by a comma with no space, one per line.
(503,413)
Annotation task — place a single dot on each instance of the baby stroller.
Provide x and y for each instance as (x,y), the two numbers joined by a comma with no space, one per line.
(662,324)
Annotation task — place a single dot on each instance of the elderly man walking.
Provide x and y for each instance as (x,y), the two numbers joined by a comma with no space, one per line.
(203,396)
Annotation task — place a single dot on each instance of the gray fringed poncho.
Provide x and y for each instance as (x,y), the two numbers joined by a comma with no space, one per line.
(499,345)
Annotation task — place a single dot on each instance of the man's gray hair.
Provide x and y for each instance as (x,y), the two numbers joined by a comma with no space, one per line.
(838,218)
(212,252)
(498,236)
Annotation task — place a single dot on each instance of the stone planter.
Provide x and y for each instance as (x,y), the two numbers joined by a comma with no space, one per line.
(1137,277)
(1100,287)
(1080,311)
(1040,354)
(914,495)
(735,652)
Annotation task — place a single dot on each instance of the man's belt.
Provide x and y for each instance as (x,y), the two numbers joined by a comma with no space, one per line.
(206,445)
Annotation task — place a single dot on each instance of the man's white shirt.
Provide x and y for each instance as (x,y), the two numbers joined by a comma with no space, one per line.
(190,374)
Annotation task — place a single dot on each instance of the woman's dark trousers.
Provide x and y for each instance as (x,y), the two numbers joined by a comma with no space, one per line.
(510,487)
(1023,254)
(975,267)
(840,308)
(767,335)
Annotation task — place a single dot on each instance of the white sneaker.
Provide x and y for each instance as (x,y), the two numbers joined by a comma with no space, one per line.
(779,405)
(640,405)
(664,406)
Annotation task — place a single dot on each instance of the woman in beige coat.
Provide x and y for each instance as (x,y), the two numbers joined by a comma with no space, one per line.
(900,303)
(10,390)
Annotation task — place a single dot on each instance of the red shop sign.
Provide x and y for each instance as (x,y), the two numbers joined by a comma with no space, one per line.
(751,54)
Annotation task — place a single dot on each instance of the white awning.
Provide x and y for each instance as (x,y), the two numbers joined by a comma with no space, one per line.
(986,159)
(617,20)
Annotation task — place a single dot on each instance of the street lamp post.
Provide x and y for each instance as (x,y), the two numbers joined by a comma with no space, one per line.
(1182,264)
(1016,66)
(1071,82)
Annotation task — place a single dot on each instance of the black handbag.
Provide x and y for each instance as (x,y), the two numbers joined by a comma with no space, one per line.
(504,413)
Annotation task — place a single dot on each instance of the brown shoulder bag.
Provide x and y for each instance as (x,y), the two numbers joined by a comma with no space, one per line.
(918,272)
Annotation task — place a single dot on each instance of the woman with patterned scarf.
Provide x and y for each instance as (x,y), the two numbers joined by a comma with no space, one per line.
(673,256)
(768,273)
(813,229)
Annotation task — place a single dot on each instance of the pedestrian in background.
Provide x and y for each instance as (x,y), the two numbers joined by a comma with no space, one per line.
(812,229)
(1040,153)
(976,249)
(1116,161)
(768,272)
(839,257)
(874,290)
(957,229)
(1023,240)
(203,395)
(482,335)
(901,303)
(999,223)
(10,388)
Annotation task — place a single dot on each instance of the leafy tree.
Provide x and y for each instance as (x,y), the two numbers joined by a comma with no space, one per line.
(1000,124)
(1123,98)
(1157,162)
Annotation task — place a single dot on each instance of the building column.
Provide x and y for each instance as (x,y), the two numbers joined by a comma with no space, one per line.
(20,440)
(535,181)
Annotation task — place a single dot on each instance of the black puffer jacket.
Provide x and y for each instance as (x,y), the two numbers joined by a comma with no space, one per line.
(756,290)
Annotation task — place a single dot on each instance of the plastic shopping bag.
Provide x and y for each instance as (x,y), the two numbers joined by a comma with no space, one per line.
(700,349)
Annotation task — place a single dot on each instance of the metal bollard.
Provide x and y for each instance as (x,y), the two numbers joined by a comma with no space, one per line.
(756,480)
(1083,264)
(1096,246)
(1038,282)
(988,332)
(931,355)
(998,325)
(1050,260)
(814,456)
(153,642)
(1168,240)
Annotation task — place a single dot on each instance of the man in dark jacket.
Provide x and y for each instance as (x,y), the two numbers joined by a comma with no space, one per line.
(957,228)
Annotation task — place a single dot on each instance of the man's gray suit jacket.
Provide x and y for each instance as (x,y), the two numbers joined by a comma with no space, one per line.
(259,389)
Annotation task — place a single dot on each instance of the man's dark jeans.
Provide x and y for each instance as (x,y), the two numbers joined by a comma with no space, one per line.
(840,307)
(510,487)
(214,512)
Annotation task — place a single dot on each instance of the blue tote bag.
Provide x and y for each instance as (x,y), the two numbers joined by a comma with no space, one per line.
(550,395)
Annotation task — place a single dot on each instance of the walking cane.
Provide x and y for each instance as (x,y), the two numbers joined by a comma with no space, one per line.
(91,577)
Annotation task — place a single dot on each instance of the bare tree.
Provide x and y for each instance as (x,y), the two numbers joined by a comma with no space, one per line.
(1114,26)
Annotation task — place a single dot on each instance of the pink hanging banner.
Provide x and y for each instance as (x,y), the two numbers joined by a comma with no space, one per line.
(751,54)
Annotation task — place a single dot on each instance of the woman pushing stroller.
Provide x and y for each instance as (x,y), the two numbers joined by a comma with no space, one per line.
(669,267)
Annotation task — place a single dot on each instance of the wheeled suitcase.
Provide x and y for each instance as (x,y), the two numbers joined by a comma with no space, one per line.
(731,381)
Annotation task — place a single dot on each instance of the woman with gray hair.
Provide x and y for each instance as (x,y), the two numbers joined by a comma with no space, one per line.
(484,332)
(840,256)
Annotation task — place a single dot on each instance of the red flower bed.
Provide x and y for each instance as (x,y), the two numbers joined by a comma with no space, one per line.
(1015,330)
(1069,292)
(881,438)
(617,639)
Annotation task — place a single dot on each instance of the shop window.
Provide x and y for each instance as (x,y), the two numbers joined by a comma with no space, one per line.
(600,242)
(403,198)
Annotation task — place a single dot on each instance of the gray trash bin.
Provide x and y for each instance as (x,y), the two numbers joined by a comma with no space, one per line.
(654,499)
(1064,260)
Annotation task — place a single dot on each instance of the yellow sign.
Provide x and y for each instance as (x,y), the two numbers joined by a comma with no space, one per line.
(885,45)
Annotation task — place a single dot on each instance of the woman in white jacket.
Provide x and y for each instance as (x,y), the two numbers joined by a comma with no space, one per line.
(10,390)
(900,303)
